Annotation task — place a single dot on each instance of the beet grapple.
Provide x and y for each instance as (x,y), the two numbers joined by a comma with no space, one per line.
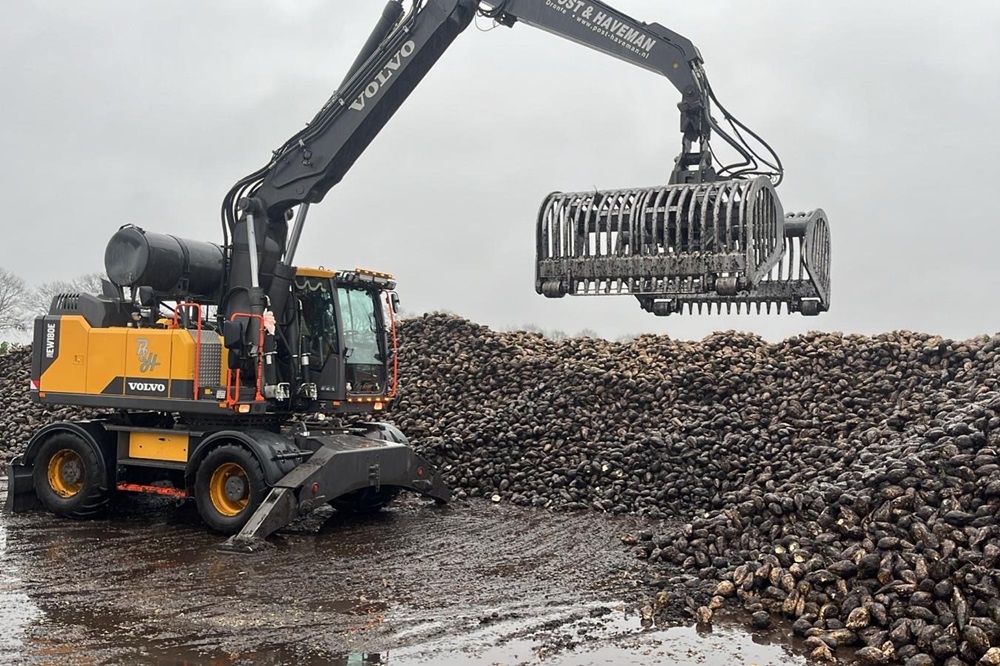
(727,245)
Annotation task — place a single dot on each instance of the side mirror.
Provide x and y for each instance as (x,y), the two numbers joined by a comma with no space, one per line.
(109,290)
(145,296)
(394,301)
(233,333)
(232,339)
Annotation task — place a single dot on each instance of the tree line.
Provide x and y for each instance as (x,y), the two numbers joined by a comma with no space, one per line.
(20,303)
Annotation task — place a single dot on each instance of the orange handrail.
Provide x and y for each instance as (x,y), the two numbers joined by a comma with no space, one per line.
(395,348)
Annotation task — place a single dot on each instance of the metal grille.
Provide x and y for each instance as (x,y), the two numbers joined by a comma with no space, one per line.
(210,360)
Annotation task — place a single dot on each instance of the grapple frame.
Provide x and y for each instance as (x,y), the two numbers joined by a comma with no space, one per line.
(724,244)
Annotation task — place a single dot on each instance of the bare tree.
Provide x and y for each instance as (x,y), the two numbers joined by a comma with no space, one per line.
(13,302)
(42,295)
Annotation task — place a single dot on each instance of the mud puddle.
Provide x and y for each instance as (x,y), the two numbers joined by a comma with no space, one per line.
(471,583)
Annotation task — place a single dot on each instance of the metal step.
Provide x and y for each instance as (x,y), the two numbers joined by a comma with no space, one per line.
(723,245)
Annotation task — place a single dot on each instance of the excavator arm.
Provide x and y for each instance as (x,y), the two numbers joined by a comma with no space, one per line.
(715,235)
(402,49)
(648,45)
(307,166)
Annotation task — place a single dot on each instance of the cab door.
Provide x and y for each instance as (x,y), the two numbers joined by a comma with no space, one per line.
(365,367)
(320,337)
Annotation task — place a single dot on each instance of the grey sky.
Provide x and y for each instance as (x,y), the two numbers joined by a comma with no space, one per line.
(883,112)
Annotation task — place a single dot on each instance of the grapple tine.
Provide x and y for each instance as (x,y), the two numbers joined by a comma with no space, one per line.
(720,242)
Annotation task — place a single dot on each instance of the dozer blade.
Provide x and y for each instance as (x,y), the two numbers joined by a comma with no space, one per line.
(725,245)
(342,464)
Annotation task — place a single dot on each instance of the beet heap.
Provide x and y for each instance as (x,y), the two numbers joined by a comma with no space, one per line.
(847,483)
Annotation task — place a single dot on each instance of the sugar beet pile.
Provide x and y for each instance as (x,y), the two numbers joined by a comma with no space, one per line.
(847,483)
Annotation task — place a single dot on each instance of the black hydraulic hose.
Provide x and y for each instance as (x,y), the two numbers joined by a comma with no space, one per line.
(390,17)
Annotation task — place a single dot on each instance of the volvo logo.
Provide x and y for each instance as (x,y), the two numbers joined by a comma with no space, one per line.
(387,72)
(147,387)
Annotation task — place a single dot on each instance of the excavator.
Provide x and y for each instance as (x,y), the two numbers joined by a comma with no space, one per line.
(228,375)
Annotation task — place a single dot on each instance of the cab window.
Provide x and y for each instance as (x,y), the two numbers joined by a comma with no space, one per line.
(359,316)
(319,321)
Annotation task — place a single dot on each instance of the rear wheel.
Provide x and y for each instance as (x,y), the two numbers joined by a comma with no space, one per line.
(228,488)
(70,477)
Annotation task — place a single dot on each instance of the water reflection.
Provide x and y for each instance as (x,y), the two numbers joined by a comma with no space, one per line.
(365,658)
(16,609)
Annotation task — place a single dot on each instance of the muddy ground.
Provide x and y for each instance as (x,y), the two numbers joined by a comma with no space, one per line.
(470,583)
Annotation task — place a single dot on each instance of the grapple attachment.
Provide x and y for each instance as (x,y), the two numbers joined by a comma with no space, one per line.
(725,244)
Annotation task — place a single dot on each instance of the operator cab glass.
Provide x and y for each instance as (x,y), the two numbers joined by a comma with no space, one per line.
(364,339)
(344,337)
(317,321)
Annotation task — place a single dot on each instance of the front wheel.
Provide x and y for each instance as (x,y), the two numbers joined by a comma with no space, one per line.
(70,477)
(228,488)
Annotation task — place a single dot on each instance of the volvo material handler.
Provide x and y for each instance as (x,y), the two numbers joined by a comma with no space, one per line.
(227,372)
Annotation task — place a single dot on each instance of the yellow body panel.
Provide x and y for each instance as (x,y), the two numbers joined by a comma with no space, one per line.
(68,372)
(105,360)
(121,361)
(158,446)
(182,353)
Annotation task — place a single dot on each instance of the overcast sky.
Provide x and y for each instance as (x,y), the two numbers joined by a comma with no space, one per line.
(884,114)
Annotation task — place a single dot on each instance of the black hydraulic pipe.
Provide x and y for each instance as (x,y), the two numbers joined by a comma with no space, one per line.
(390,16)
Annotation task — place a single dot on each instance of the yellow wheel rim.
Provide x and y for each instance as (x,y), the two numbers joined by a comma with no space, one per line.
(229,489)
(66,475)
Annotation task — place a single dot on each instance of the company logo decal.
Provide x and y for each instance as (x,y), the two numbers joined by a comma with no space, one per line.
(147,359)
(405,51)
(147,387)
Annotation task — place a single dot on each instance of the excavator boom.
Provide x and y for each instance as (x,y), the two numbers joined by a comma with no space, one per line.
(715,235)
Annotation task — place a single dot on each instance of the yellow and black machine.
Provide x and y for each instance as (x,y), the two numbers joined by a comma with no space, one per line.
(225,372)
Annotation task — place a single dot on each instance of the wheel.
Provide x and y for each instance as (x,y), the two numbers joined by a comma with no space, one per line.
(365,500)
(70,477)
(228,488)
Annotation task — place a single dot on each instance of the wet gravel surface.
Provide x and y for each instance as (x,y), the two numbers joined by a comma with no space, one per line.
(472,583)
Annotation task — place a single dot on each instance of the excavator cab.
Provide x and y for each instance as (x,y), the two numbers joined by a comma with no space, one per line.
(347,337)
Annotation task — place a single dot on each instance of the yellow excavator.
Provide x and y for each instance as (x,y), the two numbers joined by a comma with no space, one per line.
(223,368)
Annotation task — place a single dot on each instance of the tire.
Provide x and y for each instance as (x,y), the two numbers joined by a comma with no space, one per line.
(70,477)
(365,500)
(228,488)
